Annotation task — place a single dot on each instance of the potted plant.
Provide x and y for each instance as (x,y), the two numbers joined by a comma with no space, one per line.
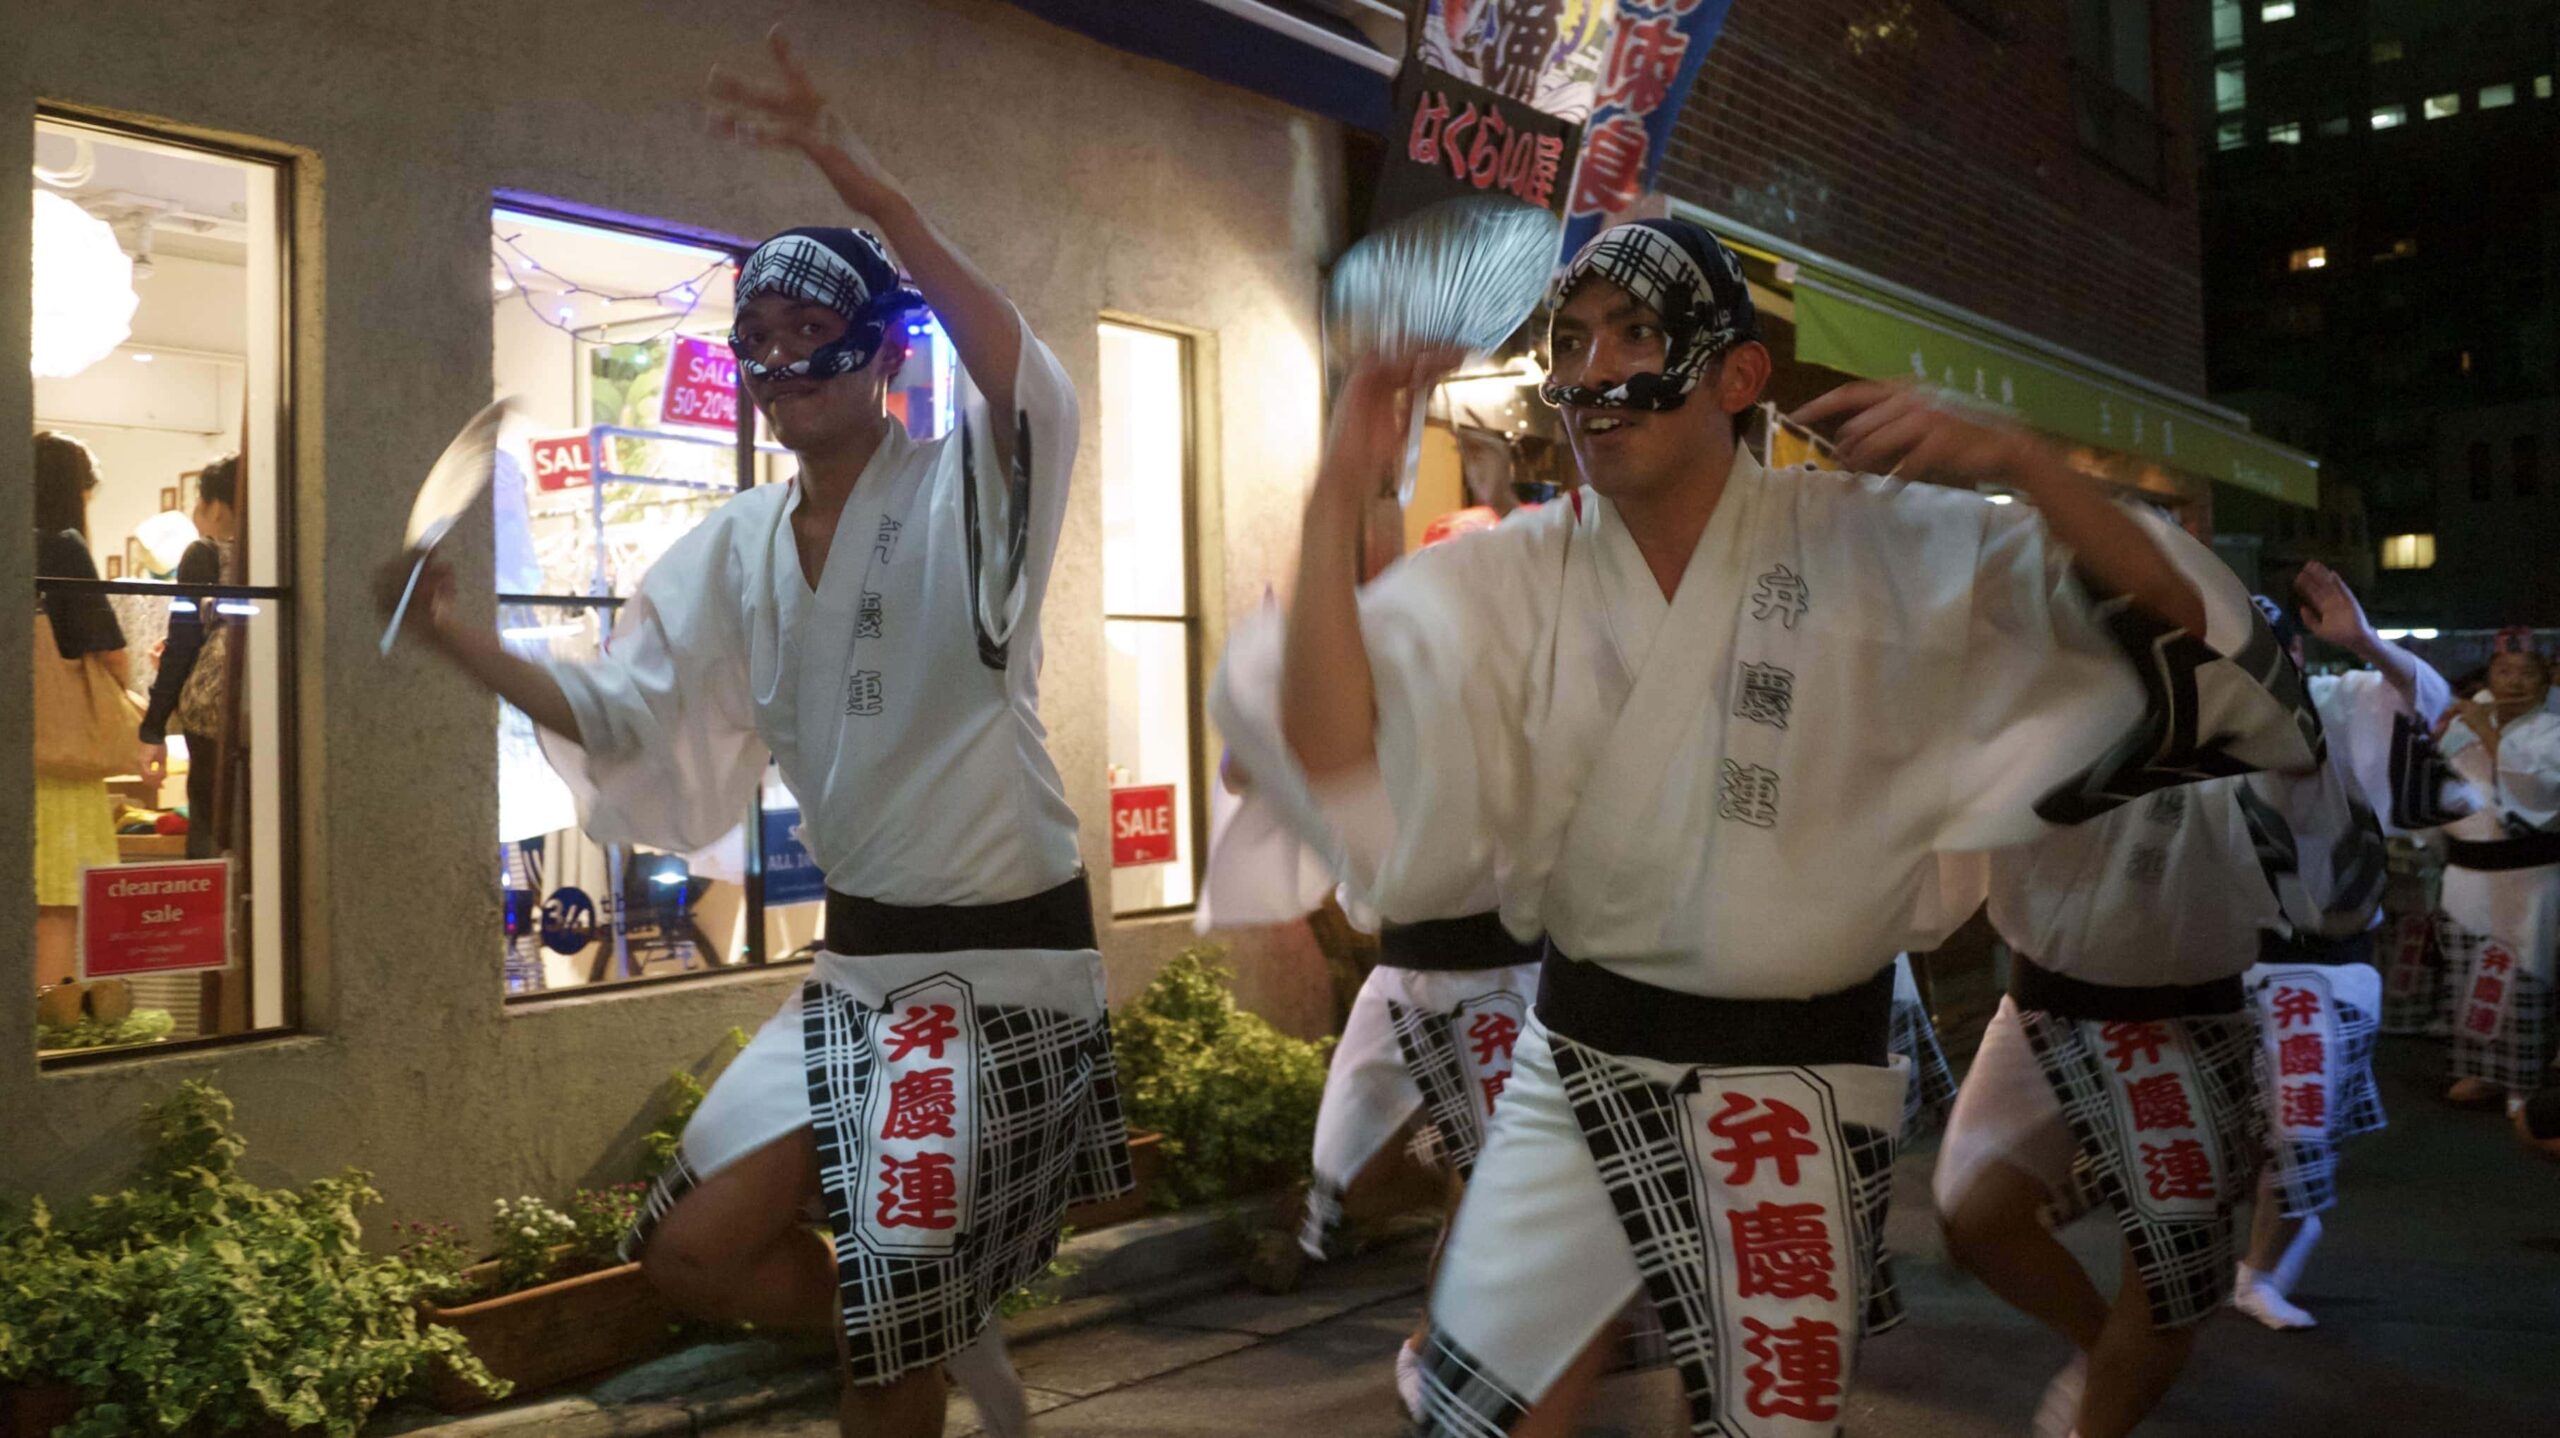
(197,1301)
(554,1302)
(1233,1098)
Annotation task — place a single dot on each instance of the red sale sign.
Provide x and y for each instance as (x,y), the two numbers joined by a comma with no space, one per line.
(702,386)
(1142,826)
(155,918)
(562,462)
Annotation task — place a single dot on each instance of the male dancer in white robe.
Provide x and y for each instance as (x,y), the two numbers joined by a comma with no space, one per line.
(943,1080)
(2499,913)
(2316,991)
(1711,729)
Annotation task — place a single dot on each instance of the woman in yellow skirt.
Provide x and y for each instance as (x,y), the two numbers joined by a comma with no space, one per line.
(75,818)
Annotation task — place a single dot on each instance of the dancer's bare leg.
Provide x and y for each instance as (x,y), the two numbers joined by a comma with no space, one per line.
(910,1406)
(1997,1234)
(2271,1234)
(1448,1215)
(736,1247)
(2133,1364)
(1553,1416)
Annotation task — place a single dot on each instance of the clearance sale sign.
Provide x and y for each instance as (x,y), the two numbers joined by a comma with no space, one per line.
(138,919)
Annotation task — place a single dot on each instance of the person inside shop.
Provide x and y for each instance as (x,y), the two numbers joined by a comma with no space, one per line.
(74,816)
(942,1086)
(189,689)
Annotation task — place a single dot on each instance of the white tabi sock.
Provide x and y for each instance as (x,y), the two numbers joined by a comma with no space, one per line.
(2255,1294)
(986,1375)
(2058,1415)
(2297,1256)
(1409,1380)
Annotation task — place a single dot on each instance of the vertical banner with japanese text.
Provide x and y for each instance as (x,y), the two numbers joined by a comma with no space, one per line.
(920,1121)
(1653,58)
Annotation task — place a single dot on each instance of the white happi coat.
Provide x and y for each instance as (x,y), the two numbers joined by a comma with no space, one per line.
(2356,711)
(923,774)
(1745,791)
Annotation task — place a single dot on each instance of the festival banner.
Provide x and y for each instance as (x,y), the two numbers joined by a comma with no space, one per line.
(1653,58)
(1546,54)
(1456,138)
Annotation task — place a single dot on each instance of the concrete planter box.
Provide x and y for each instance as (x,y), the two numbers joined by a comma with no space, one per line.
(1146,1158)
(545,1336)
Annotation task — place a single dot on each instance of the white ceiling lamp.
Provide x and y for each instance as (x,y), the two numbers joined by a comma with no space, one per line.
(84,299)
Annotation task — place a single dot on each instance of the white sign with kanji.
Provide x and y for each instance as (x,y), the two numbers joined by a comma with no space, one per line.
(2298,1014)
(2492,990)
(2176,1170)
(1781,1243)
(1485,1030)
(920,1121)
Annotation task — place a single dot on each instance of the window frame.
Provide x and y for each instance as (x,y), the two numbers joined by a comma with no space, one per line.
(608,606)
(1195,704)
(288,912)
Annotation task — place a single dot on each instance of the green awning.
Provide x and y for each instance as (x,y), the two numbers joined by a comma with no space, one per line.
(1845,327)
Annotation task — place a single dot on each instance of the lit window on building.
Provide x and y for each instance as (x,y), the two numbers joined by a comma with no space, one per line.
(2276,10)
(2230,135)
(2542,87)
(2401,249)
(2497,97)
(2288,133)
(2390,117)
(2440,106)
(2409,551)
(2334,126)
(2309,257)
(2230,86)
(2226,24)
(2386,51)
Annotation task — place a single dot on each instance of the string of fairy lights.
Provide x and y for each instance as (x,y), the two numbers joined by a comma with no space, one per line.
(683,297)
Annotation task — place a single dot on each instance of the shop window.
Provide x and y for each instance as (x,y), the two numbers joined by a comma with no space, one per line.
(2274,10)
(2390,117)
(2230,135)
(1150,627)
(2477,456)
(2310,257)
(164,873)
(2438,107)
(614,339)
(2287,133)
(2230,86)
(2386,51)
(2497,97)
(2524,455)
(2409,551)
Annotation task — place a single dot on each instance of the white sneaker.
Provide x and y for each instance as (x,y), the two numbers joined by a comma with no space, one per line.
(2253,1293)
(1409,1380)
(2058,1416)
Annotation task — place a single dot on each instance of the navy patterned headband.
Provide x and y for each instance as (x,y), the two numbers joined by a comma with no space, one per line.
(845,270)
(1683,273)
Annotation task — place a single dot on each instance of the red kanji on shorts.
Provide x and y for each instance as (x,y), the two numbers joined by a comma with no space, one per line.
(2489,990)
(921,1105)
(2482,1020)
(2177,1170)
(2126,1040)
(2495,960)
(1492,1033)
(2303,1105)
(919,1192)
(1781,1250)
(926,1026)
(1493,1085)
(2294,1006)
(1795,1370)
(2302,1054)
(1776,1135)
(2159,1102)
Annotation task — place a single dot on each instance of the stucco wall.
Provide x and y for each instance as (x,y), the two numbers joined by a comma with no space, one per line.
(1085,181)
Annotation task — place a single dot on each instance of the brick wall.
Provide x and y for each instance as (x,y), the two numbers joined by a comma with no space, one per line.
(1946,158)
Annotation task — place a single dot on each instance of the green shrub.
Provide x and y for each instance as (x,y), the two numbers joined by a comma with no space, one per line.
(684,1094)
(198,1302)
(1234,1097)
(142,1026)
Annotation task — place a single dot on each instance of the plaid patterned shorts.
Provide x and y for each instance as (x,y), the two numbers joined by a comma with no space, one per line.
(1048,1133)
(1932,1091)
(2517,1056)
(2305,1170)
(1632,1124)
(2186,1265)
